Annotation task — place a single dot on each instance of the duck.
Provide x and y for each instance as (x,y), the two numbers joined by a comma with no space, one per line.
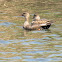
(30,26)
(37,20)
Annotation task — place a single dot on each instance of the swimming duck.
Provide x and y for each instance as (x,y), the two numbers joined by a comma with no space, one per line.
(37,20)
(29,26)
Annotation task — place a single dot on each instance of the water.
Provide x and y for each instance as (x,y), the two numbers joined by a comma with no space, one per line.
(18,45)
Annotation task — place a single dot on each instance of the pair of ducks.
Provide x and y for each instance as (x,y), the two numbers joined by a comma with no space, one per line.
(36,24)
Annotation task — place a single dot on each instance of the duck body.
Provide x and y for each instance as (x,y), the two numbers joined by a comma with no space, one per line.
(46,27)
(28,26)
(37,20)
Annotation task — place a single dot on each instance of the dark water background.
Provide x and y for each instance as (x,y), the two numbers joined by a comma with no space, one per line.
(17,45)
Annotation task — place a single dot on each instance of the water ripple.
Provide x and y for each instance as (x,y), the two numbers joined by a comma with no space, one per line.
(3,20)
(17,57)
(7,24)
(43,59)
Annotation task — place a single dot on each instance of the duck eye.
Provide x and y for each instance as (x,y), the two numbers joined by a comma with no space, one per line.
(34,14)
(23,13)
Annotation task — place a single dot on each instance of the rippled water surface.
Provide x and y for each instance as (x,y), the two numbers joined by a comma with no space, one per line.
(18,45)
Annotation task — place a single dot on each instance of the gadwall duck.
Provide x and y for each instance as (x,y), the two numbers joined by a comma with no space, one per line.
(29,26)
(37,20)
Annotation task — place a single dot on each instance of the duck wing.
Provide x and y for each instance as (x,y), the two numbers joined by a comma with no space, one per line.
(42,21)
(34,27)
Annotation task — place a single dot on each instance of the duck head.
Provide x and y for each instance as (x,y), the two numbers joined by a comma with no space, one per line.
(25,14)
(36,17)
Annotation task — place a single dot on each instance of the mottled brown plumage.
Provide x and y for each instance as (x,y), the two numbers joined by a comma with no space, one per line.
(28,26)
(37,20)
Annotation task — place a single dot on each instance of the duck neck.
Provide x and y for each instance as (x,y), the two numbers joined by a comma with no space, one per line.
(26,23)
(27,19)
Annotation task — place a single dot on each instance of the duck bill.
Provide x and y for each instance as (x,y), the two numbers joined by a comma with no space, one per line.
(21,15)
